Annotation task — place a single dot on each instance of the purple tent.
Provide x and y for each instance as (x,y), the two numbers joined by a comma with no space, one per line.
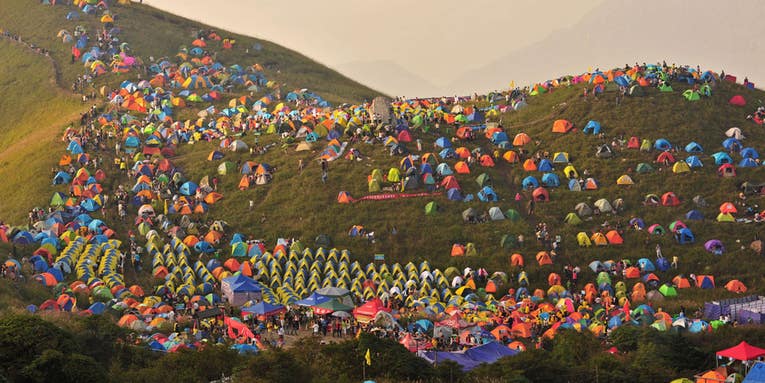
(714,245)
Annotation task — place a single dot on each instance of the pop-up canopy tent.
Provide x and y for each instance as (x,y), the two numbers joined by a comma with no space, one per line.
(471,358)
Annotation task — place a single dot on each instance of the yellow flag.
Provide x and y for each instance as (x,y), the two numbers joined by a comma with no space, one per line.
(512,84)
(368,358)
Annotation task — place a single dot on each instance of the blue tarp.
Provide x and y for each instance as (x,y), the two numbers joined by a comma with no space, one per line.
(470,359)
(313,300)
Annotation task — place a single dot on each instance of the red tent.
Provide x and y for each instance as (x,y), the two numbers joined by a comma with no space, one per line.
(742,351)
(366,312)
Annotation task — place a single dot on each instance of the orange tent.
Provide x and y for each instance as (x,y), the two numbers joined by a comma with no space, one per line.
(736,286)
(126,320)
(516,260)
(516,345)
(711,376)
(462,167)
(521,329)
(231,264)
(501,332)
(487,161)
(213,197)
(553,279)
(521,139)
(344,197)
(632,272)
(614,238)
(681,282)
(462,152)
(458,250)
(491,287)
(65,160)
(728,207)
(529,165)
(543,258)
(562,126)
(244,183)
(511,156)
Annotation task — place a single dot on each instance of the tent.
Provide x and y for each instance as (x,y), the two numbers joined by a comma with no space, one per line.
(562,126)
(742,351)
(756,374)
(239,289)
(737,100)
(471,358)
(592,127)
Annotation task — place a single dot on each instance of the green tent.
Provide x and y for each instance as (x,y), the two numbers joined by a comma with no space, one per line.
(431,208)
(226,167)
(691,95)
(512,215)
(572,219)
(644,168)
(603,277)
(666,88)
(483,180)
(374,186)
(668,291)
(334,305)
(508,241)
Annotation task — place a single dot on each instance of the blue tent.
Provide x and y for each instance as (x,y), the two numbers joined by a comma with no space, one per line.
(756,374)
(722,158)
(693,162)
(684,236)
(245,348)
(499,137)
(426,168)
(750,153)
(748,162)
(97,308)
(188,188)
(662,264)
(592,127)
(550,180)
(530,182)
(487,194)
(545,165)
(662,144)
(694,215)
(731,142)
(62,178)
(443,142)
(454,194)
(74,147)
(447,153)
(645,264)
(694,147)
(204,247)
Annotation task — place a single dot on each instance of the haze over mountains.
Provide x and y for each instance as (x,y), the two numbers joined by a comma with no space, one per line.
(707,33)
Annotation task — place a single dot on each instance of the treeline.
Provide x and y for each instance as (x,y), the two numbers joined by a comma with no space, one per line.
(94,349)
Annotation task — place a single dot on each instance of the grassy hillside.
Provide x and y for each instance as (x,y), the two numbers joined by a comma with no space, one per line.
(32,113)
(300,205)
(34,117)
(152,32)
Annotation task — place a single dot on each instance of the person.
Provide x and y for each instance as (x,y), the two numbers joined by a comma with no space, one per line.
(252,204)
(658,252)
(675,260)
(300,165)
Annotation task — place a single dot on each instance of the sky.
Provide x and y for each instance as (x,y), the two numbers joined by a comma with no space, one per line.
(425,45)
(446,47)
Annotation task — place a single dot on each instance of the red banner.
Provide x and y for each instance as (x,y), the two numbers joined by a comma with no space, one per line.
(387,196)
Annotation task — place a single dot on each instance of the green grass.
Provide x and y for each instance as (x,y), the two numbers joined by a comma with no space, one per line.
(32,112)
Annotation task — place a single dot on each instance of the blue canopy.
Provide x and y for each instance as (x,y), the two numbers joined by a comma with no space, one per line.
(262,308)
(240,283)
(313,300)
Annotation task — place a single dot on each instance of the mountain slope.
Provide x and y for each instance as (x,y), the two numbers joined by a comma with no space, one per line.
(32,112)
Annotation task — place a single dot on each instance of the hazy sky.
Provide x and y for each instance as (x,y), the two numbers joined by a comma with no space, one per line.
(434,41)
